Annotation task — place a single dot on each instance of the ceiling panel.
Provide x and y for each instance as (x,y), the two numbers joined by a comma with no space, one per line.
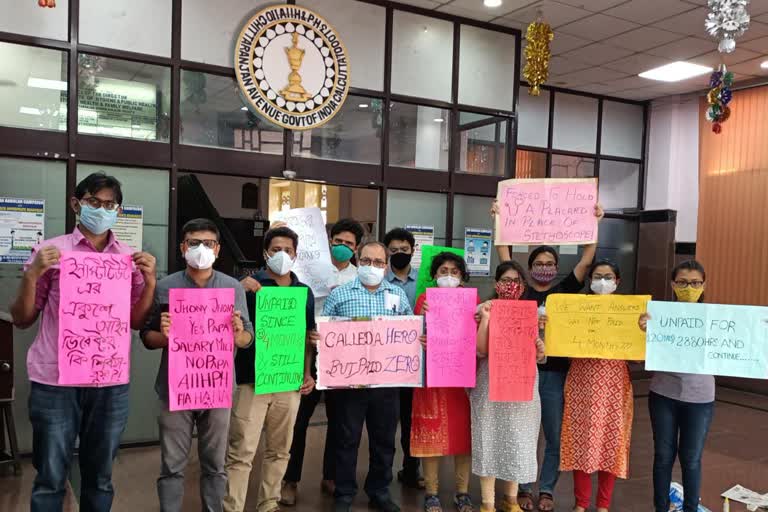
(477,6)
(750,67)
(683,49)
(637,63)
(425,4)
(649,11)
(476,14)
(713,59)
(631,82)
(596,88)
(689,23)
(556,14)
(593,5)
(757,45)
(561,66)
(598,53)
(756,30)
(591,75)
(643,39)
(598,27)
(565,42)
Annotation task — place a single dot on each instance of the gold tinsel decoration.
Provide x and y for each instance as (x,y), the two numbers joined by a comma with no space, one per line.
(537,54)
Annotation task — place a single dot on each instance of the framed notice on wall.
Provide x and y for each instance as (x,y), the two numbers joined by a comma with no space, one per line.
(22,226)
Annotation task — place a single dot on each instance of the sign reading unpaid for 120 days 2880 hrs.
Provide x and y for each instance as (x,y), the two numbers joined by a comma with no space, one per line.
(547,211)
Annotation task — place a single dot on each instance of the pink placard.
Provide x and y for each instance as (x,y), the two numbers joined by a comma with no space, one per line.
(94,343)
(451,337)
(512,350)
(547,211)
(383,352)
(200,348)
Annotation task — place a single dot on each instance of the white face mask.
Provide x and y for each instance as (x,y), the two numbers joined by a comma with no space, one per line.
(280,263)
(200,257)
(448,282)
(603,286)
(370,275)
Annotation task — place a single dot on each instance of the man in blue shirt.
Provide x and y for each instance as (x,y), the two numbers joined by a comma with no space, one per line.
(400,246)
(368,295)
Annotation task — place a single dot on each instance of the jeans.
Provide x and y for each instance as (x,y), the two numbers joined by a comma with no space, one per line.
(306,410)
(61,414)
(379,409)
(175,441)
(552,393)
(679,430)
(410,463)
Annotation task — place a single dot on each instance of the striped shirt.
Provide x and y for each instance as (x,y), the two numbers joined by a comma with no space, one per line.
(353,300)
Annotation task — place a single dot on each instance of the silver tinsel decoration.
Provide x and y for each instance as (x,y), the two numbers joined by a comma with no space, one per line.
(727,20)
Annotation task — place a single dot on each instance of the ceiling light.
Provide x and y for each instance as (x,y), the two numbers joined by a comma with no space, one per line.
(438,120)
(492,3)
(29,110)
(675,71)
(243,108)
(44,83)
(764,64)
(363,105)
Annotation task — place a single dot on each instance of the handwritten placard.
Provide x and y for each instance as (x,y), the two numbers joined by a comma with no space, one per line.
(383,352)
(708,339)
(94,318)
(281,338)
(428,253)
(201,347)
(595,326)
(451,337)
(512,350)
(547,211)
(313,258)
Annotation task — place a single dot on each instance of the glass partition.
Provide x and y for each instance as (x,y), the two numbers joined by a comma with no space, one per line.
(419,136)
(482,144)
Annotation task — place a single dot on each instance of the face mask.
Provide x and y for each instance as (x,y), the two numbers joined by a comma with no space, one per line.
(97,220)
(544,276)
(509,291)
(200,257)
(280,263)
(689,294)
(370,275)
(400,260)
(448,282)
(603,286)
(341,253)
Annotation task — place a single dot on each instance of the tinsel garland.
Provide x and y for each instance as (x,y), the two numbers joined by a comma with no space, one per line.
(718,98)
(537,54)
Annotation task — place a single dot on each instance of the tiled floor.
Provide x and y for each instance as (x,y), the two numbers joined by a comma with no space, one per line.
(737,452)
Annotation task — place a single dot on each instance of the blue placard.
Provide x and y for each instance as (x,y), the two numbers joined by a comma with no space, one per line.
(708,339)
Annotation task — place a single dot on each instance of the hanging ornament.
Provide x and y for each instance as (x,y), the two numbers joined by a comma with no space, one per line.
(46,3)
(538,35)
(718,98)
(727,20)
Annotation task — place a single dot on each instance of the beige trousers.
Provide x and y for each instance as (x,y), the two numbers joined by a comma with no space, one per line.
(276,414)
(488,491)
(461,465)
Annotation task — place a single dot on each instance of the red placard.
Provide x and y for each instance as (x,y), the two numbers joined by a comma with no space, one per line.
(512,350)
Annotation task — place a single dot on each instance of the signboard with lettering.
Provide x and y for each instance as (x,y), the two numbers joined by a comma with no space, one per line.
(22,226)
(547,211)
(94,318)
(512,350)
(451,337)
(292,67)
(595,326)
(200,348)
(384,352)
(708,339)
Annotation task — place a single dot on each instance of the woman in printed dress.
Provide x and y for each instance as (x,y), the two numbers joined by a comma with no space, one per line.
(440,420)
(597,422)
(504,434)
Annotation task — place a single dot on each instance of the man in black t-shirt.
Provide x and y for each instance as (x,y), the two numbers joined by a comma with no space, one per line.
(543,269)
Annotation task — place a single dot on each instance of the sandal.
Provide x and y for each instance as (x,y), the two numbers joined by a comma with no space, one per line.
(525,500)
(463,503)
(546,502)
(432,504)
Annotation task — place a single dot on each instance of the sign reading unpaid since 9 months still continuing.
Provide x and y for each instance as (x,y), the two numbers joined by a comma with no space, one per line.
(292,67)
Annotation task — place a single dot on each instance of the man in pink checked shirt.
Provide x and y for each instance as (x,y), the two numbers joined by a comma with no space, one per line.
(61,414)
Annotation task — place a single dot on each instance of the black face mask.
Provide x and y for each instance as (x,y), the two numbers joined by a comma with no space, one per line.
(400,260)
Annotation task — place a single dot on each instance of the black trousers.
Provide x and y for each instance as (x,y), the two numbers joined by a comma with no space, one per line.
(306,410)
(379,409)
(410,464)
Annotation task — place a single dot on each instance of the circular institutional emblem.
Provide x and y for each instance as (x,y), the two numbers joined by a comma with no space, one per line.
(292,67)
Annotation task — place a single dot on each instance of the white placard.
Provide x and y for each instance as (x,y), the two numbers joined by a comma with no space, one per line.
(424,235)
(22,226)
(129,227)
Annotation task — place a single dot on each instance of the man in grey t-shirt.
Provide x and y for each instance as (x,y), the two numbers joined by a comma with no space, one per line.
(200,247)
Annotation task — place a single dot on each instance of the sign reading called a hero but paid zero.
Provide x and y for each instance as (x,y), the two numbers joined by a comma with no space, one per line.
(547,211)
(384,352)
(292,67)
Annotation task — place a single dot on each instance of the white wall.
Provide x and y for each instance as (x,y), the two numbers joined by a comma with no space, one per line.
(673,162)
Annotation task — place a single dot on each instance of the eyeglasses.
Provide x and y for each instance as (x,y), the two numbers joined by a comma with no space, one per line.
(544,264)
(510,280)
(95,202)
(608,277)
(194,242)
(682,283)
(367,262)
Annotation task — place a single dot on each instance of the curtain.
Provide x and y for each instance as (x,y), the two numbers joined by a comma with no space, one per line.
(732,240)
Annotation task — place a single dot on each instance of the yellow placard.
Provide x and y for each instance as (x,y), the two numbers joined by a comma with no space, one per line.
(595,326)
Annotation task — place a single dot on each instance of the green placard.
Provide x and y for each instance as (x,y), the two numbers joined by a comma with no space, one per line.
(281,330)
(428,253)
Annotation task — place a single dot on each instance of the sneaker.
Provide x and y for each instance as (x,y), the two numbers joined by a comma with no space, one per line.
(288,494)
(432,504)
(384,505)
(328,487)
(463,503)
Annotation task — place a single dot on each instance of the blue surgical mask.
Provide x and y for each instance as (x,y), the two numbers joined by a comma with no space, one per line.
(97,220)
